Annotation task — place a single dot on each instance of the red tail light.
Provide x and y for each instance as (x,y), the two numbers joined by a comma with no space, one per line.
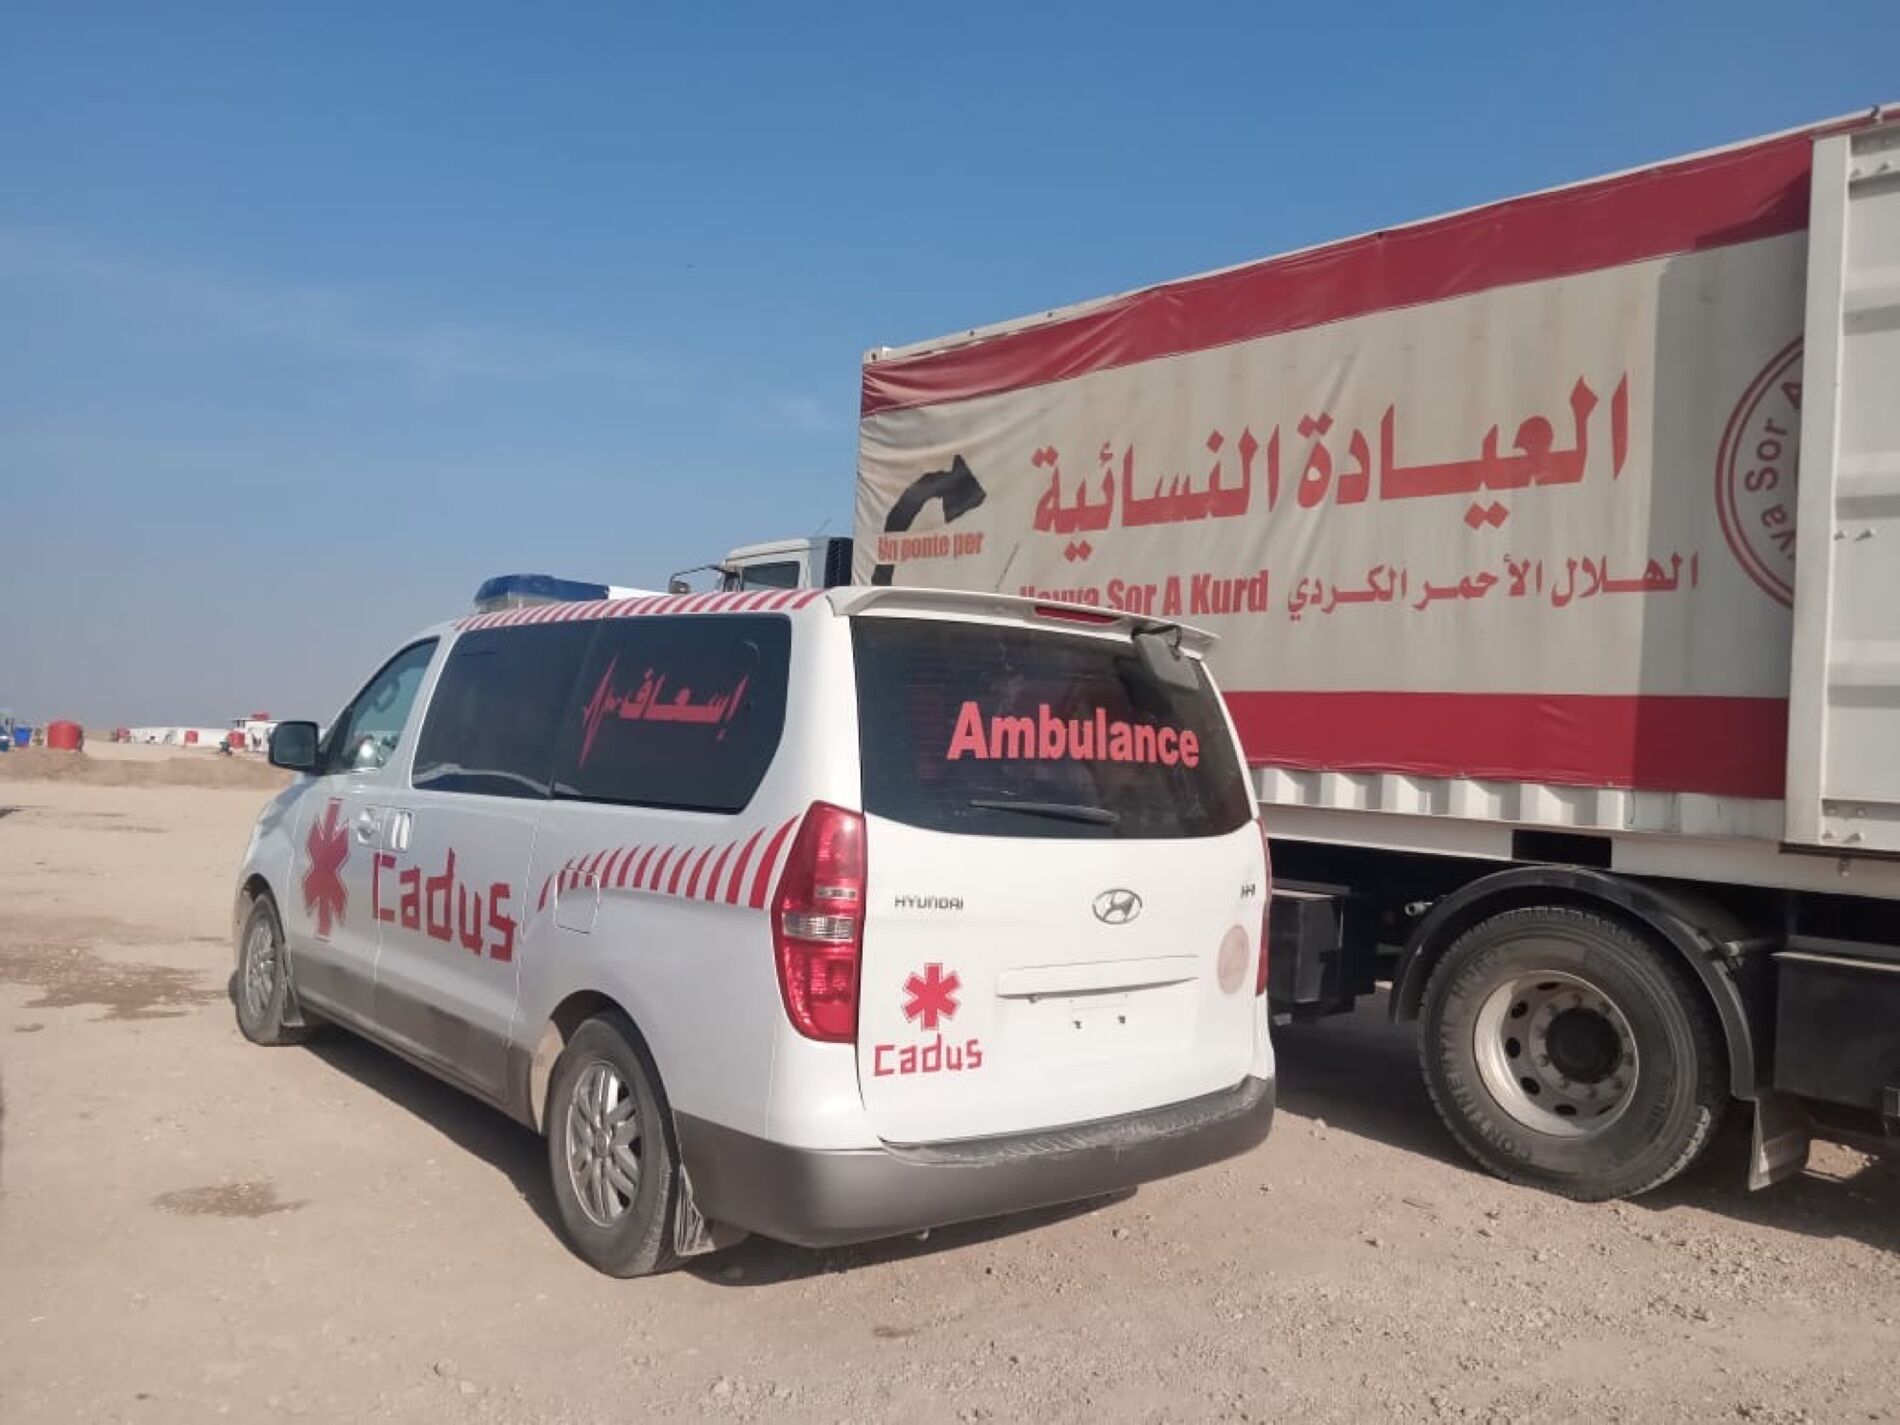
(818,924)
(1266,909)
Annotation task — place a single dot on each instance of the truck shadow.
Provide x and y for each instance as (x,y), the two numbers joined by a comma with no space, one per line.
(1843,1195)
(1359,1072)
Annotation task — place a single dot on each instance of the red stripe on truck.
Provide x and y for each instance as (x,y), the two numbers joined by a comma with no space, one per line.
(1714,200)
(1720,746)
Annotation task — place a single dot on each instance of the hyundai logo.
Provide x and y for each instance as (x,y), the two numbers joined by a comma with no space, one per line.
(1117,907)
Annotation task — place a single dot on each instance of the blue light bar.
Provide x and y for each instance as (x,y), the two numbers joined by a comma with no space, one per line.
(514,591)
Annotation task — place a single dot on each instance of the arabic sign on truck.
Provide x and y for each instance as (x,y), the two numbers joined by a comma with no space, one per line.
(1508,494)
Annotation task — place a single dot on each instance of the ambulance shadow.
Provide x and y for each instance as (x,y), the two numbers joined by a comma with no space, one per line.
(517,1153)
(520,1156)
(760,1262)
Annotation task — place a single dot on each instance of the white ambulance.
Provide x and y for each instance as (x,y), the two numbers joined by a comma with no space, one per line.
(822,914)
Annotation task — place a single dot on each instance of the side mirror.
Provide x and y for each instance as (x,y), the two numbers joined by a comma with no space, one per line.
(293,746)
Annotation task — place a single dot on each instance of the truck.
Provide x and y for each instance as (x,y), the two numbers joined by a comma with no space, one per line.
(1573,714)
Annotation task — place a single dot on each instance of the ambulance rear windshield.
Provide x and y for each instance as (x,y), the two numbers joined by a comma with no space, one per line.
(999,730)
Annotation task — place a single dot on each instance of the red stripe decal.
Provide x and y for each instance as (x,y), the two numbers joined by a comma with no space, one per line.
(616,864)
(639,876)
(712,881)
(738,871)
(762,882)
(616,874)
(1715,200)
(1720,746)
(659,871)
(679,869)
(692,885)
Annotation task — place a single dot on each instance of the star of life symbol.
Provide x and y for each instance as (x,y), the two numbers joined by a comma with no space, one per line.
(931,996)
(324,895)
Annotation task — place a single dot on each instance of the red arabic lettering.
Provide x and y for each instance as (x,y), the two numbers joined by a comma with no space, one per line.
(645,704)
(1534,460)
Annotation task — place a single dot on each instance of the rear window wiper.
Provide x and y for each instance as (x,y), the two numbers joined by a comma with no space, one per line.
(1059,811)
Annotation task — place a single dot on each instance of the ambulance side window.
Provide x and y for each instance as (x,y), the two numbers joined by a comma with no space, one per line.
(496,712)
(364,737)
(677,712)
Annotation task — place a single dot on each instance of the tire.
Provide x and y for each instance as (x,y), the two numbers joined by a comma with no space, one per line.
(262,988)
(1565,1051)
(621,1233)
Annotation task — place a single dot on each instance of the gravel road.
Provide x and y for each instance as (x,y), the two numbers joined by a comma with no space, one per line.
(192,1227)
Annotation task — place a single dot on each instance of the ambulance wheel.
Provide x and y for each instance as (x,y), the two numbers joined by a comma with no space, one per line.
(262,989)
(1564,1051)
(611,1152)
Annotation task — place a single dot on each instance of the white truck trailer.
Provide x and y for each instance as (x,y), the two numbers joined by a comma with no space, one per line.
(1575,717)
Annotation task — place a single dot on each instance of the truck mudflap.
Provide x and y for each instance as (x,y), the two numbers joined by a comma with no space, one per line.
(1778,1145)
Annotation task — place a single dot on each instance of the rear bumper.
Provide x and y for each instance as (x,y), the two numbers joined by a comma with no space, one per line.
(818,1198)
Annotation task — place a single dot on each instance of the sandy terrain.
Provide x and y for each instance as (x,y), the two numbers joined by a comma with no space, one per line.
(192,1227)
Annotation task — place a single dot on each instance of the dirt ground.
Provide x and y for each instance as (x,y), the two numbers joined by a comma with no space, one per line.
(191,1227)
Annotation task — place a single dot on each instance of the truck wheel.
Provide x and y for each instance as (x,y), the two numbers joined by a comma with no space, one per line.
(611,1152)
(1565,1052)
(262,990)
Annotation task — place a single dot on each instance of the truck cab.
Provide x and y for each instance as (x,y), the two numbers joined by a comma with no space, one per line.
(817,562)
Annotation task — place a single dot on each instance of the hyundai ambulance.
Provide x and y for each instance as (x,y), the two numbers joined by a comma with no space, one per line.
(822,914)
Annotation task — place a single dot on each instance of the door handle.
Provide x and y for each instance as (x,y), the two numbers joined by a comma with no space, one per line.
(366,828)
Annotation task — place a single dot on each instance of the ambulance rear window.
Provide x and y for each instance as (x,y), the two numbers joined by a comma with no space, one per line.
(998,730)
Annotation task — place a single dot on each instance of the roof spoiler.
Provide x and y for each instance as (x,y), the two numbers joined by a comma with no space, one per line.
(895,599)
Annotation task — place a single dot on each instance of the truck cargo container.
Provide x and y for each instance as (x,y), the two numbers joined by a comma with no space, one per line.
(1575,717)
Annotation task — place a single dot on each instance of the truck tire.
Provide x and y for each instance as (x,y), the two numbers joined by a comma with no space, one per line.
(611,1152)
(1564,1051)
(262,986)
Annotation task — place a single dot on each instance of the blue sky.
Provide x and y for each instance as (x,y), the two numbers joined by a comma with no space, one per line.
(311,317)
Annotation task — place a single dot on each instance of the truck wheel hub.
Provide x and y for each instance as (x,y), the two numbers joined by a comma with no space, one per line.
(1556,1053)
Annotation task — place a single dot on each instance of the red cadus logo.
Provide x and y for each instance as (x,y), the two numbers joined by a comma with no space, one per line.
(329,847)
(931,996)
